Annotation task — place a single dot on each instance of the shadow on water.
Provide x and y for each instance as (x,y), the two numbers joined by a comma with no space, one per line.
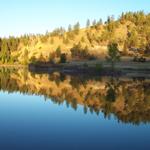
(128,99)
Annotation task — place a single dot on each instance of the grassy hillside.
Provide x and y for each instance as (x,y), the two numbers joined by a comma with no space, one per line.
(131,30)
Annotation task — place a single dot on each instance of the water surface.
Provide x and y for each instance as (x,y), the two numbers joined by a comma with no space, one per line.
(56,111)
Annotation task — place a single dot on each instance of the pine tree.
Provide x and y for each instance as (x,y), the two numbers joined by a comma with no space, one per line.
(69,28)
(58,51)
(94,22)
(88,23)
(100,22)
(77,28)
(113,54)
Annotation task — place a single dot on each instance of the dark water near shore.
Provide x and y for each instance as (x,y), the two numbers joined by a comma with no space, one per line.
(57,111)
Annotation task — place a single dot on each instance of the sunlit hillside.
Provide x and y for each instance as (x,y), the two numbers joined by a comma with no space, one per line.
(131,30)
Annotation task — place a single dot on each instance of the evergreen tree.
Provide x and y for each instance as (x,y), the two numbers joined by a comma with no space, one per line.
(77,28)
(88,23)
(4,51)
(100,22)
(58,51)
(113,54)
(94,22)
(63,58)
(69,28)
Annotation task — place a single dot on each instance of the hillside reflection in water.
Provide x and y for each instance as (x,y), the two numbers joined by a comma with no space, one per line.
(128,99)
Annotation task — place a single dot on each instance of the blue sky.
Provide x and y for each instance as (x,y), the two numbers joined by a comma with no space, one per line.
(36,16)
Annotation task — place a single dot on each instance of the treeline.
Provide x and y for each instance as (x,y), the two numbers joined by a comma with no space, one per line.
(138,31)
(11,44)
(8,45)
(137,36)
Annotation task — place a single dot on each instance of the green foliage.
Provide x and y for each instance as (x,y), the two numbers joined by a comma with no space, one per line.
(138,18)
(100,22)
(77,28)
(58,51)
(111,94)
(94,22)
(88,23)
(78,52)
(113,54)
(33,60)
(110,19)
(8,45)
(69,28)
(57,57)
(58,32)
(5,51)
(137,26)
(63,58)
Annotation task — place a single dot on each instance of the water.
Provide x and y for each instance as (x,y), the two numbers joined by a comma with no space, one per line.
(67,112)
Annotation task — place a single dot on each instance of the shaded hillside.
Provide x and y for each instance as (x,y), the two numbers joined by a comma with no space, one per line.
(130,30)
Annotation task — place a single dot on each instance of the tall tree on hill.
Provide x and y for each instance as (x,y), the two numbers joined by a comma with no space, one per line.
(88,23)
(77,28)
(100,22)
(69,28)
(58,51)
(94,22)
(113,54)
(108,19)
(5,51)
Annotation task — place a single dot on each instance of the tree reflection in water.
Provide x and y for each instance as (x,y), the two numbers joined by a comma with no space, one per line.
(127,99)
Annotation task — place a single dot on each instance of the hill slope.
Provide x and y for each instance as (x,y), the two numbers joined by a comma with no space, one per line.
(131,30)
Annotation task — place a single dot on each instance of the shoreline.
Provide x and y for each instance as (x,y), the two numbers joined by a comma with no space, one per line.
(13,66)
(91,68)
(102,69)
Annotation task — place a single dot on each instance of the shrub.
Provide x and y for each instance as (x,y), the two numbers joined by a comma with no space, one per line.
(63,58)
(113,54)
(33,60)
(78,52)
(58,51)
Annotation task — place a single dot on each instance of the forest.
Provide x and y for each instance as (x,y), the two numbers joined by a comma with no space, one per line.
(130,30)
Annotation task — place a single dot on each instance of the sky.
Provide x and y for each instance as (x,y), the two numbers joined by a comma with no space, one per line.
(18,17)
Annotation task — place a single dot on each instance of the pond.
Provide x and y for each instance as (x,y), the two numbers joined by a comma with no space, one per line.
(57,111)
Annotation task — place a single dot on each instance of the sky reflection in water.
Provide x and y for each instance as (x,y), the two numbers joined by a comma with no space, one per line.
(30,122)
